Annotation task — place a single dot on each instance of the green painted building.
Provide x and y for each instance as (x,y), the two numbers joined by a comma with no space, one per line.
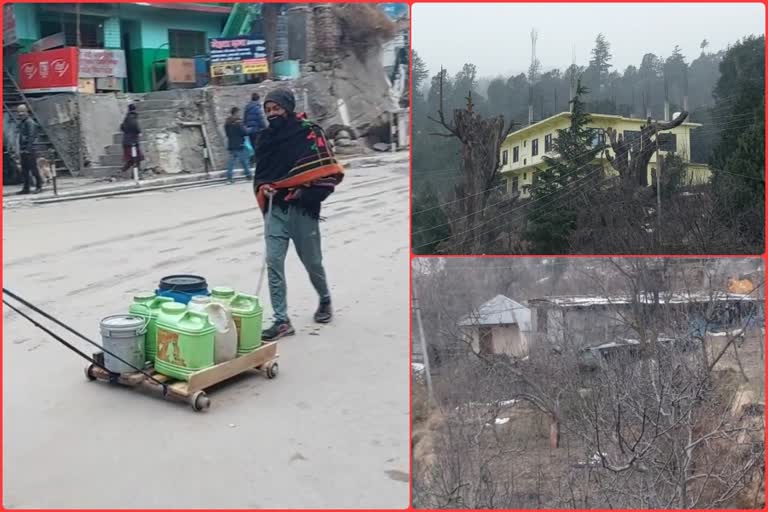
(148,33)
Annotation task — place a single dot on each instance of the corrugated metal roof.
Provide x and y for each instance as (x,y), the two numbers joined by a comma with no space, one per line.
(664,298)
(500,310)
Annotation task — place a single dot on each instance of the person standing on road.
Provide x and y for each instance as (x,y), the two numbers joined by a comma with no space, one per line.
(295,172)
(28,134)
(254,119)
(11,173)
(236,134)
(131,134)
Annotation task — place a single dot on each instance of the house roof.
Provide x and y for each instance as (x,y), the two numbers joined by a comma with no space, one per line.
(500,310)
(576,301)
(595,117)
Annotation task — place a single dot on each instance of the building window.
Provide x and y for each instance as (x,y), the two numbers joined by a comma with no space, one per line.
(524,142)
(486,340)
(187,44)
(516,154)
(91,32)
(631,136)
(505,157)
(667,142)
(525,161)
(534,147)
(548,143)
(598,138)
(515,185)
(525,176)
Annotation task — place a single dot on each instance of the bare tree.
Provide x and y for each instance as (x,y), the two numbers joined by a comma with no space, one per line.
(665,417)
(471,212)
(631,157)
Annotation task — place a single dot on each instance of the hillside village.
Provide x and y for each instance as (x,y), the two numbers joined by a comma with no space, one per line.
(660,153)
(535,386)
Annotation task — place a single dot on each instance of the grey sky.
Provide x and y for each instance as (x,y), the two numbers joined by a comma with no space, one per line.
(496,37)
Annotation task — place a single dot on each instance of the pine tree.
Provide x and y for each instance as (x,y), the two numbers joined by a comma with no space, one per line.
(738,162)
(429,222)
(420,72)
(552,216)
(601,60)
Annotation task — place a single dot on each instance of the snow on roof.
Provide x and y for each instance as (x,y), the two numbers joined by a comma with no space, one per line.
(576,301)
(500,310)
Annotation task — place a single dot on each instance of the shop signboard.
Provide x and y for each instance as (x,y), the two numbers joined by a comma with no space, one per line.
(51,71)
(237,56)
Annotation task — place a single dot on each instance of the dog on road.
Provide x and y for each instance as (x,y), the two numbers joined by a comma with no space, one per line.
(46,167)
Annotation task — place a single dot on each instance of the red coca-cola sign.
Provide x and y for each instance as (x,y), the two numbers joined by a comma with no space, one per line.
(51,71)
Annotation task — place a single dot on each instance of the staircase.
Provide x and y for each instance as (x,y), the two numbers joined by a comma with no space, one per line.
(12,98)
(155,116)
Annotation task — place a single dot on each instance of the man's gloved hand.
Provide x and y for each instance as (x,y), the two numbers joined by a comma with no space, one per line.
(267,189)
(311,196)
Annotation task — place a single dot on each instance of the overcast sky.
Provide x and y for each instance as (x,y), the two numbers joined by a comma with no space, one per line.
(496,37)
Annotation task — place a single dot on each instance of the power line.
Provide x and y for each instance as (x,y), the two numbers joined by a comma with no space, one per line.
(564,190)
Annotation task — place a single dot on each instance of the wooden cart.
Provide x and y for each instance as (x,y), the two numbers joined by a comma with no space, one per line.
(192,391)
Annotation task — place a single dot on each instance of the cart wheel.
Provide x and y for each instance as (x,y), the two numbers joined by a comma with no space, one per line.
(272,370)
(200,401)
(89,373)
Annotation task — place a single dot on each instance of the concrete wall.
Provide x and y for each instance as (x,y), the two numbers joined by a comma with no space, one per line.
(505,339)
(102,115)
(582,326)
(57,114)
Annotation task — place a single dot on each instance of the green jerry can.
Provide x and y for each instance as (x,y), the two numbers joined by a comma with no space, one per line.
(147,306)
(185,341)
(247,314)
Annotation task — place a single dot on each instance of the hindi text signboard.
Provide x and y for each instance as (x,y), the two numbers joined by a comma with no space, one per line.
(102,63)
(237,56)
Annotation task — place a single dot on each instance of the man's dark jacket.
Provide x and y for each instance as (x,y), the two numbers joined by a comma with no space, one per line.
(130,129)
(254,117)
(28,133)
(236,134)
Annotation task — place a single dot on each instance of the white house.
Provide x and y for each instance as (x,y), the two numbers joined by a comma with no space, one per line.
(500,326)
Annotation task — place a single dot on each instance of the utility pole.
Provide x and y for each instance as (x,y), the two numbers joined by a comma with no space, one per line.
(658,186)
(422,338)
(79,110)
(555,112)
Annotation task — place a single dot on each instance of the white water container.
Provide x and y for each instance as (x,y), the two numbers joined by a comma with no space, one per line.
(225,345)
(225,348)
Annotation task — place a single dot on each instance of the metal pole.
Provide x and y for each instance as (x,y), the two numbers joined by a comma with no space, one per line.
(427,374)
(79,110)
(135,157)
(392,143)
(658,185)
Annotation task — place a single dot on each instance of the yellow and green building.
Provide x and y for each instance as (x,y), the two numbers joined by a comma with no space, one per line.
(523,151)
